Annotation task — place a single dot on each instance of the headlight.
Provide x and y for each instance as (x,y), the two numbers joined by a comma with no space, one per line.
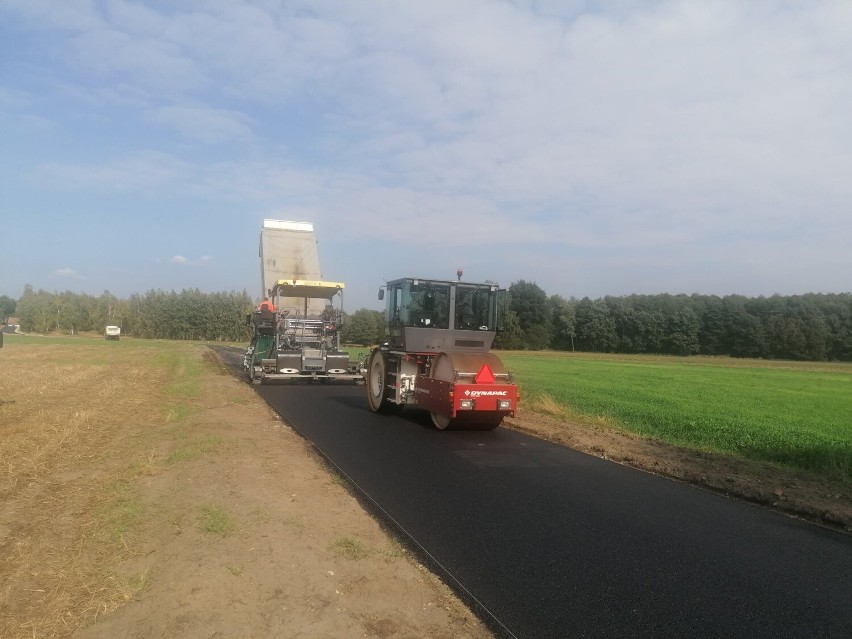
(466,404)
(504,404)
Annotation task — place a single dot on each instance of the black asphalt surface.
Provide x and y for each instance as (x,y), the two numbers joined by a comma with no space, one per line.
(545,541)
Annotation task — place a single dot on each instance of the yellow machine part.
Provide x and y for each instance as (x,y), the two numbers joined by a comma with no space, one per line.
(311,289)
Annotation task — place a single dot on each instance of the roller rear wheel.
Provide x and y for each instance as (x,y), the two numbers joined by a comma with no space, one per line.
(443,369)
(467,421)
(378,380)
(441,422)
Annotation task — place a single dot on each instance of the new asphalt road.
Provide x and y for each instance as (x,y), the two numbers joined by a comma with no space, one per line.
(544,541)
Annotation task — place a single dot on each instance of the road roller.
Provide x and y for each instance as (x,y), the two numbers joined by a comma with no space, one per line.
(437,354)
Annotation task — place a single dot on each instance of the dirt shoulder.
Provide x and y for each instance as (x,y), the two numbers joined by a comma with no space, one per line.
(158,496)
(795,493)
(301,557)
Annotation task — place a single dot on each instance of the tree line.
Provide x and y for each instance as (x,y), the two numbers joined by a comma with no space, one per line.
(801,327)
(189,314)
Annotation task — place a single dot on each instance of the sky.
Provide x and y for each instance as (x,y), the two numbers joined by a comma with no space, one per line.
(594,148)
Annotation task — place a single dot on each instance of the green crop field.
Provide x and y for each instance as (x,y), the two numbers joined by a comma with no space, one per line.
(797,414)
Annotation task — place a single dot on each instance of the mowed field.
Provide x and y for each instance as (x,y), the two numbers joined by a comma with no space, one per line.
(147,492)
(798,414)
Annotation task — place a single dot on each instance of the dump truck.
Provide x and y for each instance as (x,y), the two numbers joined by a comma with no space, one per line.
(297,336)
(437,354)
(288,251)
(112,332)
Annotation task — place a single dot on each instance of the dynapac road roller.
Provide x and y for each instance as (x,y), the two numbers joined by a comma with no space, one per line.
(437,354)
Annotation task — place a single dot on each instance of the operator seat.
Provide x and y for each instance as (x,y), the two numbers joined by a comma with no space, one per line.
(265,321)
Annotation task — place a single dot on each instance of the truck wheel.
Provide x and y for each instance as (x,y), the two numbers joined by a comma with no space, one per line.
(378,378)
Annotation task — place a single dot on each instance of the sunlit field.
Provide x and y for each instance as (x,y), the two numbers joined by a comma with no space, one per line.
(798,414)
(83,419)
(794,413)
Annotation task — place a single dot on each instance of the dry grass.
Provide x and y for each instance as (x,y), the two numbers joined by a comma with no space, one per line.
(348,548)
(216,520)
(144,494)
(544,403)
(72,439)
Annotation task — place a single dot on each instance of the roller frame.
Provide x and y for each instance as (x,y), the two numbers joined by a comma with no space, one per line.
(445,398)
(439,335)
(414,386)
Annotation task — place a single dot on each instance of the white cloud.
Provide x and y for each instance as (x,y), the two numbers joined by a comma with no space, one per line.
(68,273)
(204,124)
(11,98)
(180,260)
(687,130)
(44,14)
(143,170)
(152,62)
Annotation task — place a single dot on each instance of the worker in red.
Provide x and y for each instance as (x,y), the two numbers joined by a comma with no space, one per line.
(266,305)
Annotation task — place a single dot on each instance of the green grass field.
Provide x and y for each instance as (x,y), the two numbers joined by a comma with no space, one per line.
(796,414)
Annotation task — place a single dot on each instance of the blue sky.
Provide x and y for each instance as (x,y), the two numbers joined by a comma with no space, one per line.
(596,148)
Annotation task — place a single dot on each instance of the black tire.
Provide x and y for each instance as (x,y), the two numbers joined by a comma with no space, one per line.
(251,374)
(470,421)
(254,378)
(442,368)
(378,379)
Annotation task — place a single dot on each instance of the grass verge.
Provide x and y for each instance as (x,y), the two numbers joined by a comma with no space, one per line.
(794,414)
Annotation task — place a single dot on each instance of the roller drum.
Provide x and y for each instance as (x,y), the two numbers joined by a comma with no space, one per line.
(456,367)
(447,365)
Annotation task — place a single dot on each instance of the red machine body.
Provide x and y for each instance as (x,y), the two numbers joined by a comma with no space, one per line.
(437,355)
